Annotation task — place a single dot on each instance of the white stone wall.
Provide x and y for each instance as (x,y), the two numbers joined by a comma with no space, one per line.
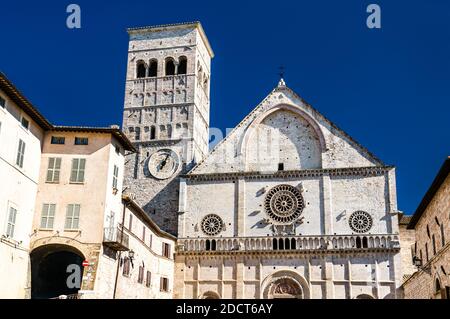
(19,187)
(336,177)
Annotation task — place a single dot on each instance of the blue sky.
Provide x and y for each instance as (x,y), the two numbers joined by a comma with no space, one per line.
(388,88)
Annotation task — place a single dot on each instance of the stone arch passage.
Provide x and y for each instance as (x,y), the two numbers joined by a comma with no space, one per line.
(49,270)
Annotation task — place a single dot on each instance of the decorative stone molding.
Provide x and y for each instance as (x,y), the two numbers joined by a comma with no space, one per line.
(353,171)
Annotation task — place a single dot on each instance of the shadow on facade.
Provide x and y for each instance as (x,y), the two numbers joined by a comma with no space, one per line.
(49,270)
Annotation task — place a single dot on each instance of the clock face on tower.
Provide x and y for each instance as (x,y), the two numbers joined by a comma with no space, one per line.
(163,164)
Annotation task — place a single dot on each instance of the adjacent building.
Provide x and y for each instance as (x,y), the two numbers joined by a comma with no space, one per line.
(69,227)
(22,130)
(431,250)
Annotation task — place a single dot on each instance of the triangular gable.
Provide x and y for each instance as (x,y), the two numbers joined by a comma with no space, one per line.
(341,149)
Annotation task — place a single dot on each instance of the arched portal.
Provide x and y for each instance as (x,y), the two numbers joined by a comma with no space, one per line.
(285,285)
(364,296)
(210,295)
(49,270)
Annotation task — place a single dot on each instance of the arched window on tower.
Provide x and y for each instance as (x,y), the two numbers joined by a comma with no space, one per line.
(170,67)
(153,68)
(182,65)
(200,76)
(152,133)
(141,69)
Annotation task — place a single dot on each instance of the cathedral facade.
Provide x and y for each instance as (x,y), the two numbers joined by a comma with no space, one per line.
(286,206)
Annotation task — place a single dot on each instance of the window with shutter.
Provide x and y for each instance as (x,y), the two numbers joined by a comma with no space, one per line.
(53,170)
(77,172)
(11,225)
(72,217)
(48,216)
(148,281)
(20,154)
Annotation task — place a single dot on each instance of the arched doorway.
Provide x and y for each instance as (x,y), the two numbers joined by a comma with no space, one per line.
(364,296)
(286,288)
(285,285)
(210,295)
(49,270)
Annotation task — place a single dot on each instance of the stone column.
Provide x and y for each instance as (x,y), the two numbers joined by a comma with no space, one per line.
(239,278)
(327,223)
(240,201)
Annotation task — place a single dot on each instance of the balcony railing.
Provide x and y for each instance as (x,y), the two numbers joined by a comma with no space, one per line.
(115,238)
(291,243)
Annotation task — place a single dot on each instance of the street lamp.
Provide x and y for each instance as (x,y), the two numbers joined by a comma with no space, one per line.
(131,255)
(417,262)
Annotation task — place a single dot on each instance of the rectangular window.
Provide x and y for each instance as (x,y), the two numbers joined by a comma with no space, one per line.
(81,141)
(78,167)
(143,233)
(426,251)
(126,267)
(2,102)
(150,243)
(115,176)
(53,170)
(130,223)
(11,222)
(25,123)
(442,236)
(58,140)
(48,216)
(164,284)
(20,153)
(141,275)
(281,166)
(72,217)
(166,250)
(148,280)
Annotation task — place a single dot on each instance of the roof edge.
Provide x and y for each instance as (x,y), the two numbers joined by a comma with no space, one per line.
(429,195)
(181,25)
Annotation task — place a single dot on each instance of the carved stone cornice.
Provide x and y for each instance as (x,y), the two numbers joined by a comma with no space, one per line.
(347,171)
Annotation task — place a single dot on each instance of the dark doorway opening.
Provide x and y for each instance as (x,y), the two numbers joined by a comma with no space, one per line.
(49,272)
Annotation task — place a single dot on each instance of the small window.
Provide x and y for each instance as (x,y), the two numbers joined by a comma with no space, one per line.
(25,123)
(126,267)
(117,149)
(152,133)
(182,65)
(166,250)
(164,284)
(170,66)
(281,166)
(141,275)
(20,153)
(72,217)
(78,168)
(48,216)
(81,141)
(58,140)
(148,280)
(115,176)
(141,70)
(143,233)
(53,170)
(11,222)
(442,235)
(130,223)
(150,242)
(137,133)
(153,68)
(2,102)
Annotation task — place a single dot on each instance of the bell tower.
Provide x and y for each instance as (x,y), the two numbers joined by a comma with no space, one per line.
(166,113)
